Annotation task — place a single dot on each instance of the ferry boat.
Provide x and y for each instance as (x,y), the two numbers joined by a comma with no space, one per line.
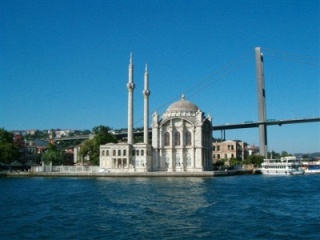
(311,166)
(283,166)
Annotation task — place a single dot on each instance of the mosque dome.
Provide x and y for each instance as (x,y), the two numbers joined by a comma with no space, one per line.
(182,105)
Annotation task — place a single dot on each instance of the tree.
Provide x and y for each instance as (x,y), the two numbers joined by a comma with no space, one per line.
(305,157)
(87,150)
(273,155)
(234,162)
(49,156)
(53,154)
(284,154)
(8,150)
(138,139)
(90,149)
(253,159)
(102,135)
(86,132)
(219,163)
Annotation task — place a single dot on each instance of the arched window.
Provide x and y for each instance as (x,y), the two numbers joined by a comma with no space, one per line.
(188,138)
(114,153)
(102,154)
(119,152)
(167,139)
(137,152)
(177,139)
(142,152)
(107,153)
(124,152)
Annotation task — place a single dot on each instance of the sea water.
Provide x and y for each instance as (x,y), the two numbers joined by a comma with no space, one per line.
(235,207)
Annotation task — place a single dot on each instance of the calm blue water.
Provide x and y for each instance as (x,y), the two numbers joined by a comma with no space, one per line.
(239,207)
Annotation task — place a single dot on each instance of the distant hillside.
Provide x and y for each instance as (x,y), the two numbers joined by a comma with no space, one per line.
(311,155)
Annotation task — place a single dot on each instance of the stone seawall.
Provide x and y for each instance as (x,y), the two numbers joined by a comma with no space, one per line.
(132,174)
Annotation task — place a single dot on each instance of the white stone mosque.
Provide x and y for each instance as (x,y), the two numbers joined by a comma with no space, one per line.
(181,138)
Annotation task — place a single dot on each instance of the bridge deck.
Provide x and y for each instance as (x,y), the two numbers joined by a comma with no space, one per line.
(268,123)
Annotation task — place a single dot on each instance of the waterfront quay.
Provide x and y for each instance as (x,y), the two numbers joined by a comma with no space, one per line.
(128,174)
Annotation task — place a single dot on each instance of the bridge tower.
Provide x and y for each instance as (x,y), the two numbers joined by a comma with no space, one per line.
(261,103)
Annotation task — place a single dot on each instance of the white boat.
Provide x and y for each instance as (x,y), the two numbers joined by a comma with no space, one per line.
(311,166)
(283,166)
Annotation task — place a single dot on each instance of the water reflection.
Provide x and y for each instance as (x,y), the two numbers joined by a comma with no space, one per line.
(153,204)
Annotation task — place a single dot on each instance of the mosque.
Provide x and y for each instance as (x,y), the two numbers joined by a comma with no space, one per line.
(181,138)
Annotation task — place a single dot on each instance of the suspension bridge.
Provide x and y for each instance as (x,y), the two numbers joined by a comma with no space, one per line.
(262,122)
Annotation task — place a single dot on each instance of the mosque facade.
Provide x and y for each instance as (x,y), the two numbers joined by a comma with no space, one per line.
(181,138)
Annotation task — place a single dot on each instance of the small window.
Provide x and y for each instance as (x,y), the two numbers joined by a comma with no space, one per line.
(119,152)
(107,153)
(124,152)
(142,152)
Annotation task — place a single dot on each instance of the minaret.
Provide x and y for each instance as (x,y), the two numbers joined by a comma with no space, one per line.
(130,86)
(146,94)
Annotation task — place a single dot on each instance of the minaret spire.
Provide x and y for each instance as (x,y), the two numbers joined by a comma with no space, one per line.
(130,87)
(146,94)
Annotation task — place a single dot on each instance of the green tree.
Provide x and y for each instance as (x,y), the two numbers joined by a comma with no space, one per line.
(53,154)
(86,132)
(219,163)
(305,157)
(49,156)
(284,154)
(90,149)
(102,135)
(273,155)
(234,162)
(87,150)
(8,150)
(138,139)
(253,159)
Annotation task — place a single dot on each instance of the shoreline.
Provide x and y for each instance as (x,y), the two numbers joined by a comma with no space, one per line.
(131,174)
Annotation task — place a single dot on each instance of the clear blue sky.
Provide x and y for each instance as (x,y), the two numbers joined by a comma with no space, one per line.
(64,64)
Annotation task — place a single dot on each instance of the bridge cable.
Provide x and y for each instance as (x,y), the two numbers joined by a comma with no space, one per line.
(224,71)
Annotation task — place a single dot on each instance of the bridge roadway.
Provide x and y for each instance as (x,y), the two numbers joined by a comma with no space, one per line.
(214,128)
(267,123)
